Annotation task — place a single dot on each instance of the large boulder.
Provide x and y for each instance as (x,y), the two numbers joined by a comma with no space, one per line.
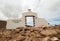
(48,32)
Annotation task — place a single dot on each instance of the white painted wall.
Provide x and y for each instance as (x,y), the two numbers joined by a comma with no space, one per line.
(21,22)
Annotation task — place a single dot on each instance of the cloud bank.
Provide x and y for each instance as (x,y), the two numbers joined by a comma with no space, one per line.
(48,9)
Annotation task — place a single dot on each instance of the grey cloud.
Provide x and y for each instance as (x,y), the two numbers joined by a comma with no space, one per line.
(55,6)
(11,11)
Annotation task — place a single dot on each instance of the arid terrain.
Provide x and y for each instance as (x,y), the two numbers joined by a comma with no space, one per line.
(31,34)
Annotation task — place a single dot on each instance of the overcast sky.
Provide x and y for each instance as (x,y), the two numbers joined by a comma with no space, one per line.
(48,9)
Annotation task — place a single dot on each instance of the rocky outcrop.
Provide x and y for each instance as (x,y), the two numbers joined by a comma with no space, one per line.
(31,34)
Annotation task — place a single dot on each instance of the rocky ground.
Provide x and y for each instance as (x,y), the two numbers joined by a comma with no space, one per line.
(31,34)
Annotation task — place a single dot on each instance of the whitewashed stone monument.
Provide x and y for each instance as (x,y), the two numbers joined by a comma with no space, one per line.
(34,21)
